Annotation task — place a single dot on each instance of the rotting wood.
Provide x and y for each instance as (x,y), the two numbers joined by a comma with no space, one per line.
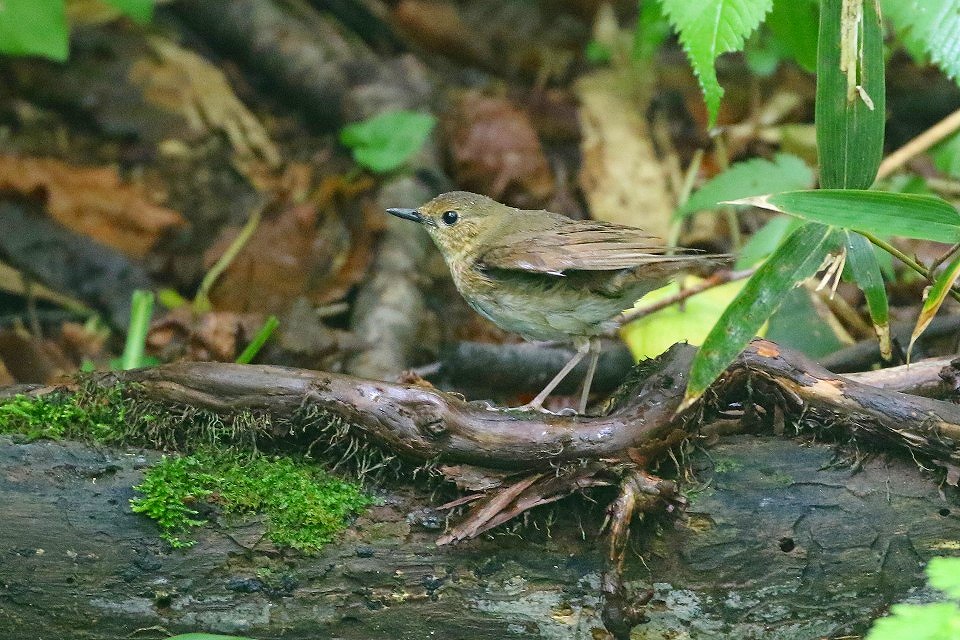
(639,428)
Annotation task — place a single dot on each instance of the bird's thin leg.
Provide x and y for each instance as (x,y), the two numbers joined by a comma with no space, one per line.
(591,370)
(537,403)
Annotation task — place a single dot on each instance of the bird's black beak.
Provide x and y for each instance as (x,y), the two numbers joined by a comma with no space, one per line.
(406,214)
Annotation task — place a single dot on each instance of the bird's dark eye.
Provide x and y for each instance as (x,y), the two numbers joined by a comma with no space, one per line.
(450,217)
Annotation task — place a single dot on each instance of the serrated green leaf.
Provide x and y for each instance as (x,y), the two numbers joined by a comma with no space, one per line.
(793,262)
(929,25)
(795,23)
(876,212)
(766,240)
(938,292)
(385,142)
(851,96)
(750,178)
(938,621)
(32,28)
(944,575)
(865,269)
(710,28)
(140,11)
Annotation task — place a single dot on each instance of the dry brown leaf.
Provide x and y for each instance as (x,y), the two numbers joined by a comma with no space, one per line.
(317,250)
(91,201)
(80,342)
(32,360)
(217,335)
(437,26)
(495,150)
(179,80)
(5,377)
(622,177)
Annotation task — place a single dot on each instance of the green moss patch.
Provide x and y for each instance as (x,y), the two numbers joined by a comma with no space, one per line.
(305,506)
(56,416)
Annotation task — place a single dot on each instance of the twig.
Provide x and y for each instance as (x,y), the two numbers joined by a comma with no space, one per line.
(943,257)
(717,279)
(905,259)
(918,145)
(733,222)
(683,195)
(847,315)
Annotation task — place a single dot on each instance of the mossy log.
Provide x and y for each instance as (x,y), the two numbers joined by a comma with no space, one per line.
(779,542)
(776,543)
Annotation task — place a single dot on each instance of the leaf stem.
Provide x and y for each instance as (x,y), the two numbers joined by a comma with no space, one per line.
(905,259)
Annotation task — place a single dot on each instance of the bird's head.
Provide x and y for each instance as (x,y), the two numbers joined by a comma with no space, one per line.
(458,221)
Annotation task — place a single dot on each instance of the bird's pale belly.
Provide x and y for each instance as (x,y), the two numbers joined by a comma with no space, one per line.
(548,307)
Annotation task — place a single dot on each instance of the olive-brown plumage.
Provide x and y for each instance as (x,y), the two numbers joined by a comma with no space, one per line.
(543,275)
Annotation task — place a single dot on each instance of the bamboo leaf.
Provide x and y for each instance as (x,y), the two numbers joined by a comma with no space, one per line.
(850,109)
(865,269)
(877,212)
(935,296)
(793,262)
(754,177)
(766,240)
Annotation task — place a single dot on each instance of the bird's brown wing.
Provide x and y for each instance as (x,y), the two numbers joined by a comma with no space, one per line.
(568,245)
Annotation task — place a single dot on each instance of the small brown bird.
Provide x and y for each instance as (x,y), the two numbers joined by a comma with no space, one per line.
(543,275)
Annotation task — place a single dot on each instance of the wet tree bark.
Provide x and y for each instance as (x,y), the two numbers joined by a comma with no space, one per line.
(777,543)
(777,539)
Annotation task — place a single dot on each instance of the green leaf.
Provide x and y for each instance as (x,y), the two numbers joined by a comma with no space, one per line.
(597,53)
(850,109)
(710,28)
(766,240)
(946,156)
(876,212)
(141,310)
(651,335)
(652,30)
(750,178)
(794,24)
(865,269)
(793,262)
(935,296)
(261,337)
(762,53)
(29,27)
(939,621)
(140,11)
(797,324)
(944,575)
(932,26)
(207,636)
(385,142)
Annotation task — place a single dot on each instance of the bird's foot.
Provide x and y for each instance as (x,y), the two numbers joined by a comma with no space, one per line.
(536,406)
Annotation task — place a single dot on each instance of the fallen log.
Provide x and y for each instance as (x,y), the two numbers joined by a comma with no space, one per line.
(531,459)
